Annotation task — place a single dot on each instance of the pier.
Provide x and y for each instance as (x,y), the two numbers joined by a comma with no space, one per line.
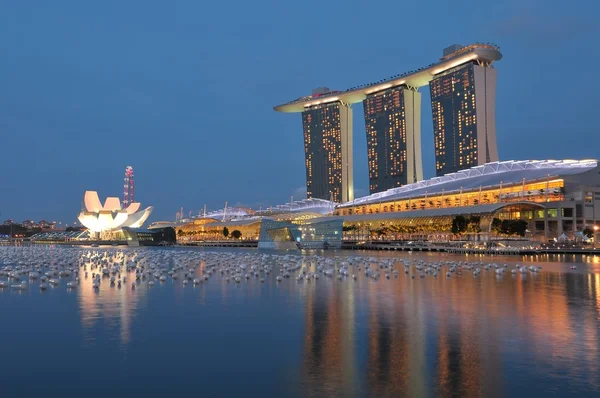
(222,243)
(499,251)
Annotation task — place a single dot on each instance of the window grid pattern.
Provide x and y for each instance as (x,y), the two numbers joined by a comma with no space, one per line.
(385,125)
(454,120)
(323,151)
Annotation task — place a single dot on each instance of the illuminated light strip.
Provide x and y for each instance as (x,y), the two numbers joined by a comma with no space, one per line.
(385,87)
(432,71)
(475,172)
(457,62)
(325,101)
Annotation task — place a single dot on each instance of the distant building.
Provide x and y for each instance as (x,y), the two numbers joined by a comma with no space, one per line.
(29,223)
(46,224)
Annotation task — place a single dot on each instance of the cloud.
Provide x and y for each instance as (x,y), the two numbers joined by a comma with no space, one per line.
(544,28)
(533,21)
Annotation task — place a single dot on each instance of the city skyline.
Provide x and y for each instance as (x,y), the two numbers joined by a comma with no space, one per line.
(78,79)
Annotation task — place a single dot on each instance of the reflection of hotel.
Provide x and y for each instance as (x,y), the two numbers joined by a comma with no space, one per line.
(441,340)
(462,84)
(329,357)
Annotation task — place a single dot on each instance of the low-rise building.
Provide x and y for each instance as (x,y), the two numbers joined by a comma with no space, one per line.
(554,197)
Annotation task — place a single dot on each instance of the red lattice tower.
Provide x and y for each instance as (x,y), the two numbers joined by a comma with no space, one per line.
(128,187)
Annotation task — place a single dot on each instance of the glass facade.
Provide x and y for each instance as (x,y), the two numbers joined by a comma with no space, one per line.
(385,125)
(309,235)
(535,191)
(430,227)
(454,120)
(326,135)
(315,235)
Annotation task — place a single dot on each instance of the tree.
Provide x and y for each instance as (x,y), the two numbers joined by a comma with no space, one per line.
(496,224)
(588,232)
(225,232)
(505,227)
(459,225)
(236,234)
(519,227)
(474,224)
(513,227)
(180,232)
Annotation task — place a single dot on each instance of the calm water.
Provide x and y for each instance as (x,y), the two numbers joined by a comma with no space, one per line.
(460,336)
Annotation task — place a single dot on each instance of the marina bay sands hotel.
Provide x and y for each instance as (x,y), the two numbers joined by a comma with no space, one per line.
(463,91)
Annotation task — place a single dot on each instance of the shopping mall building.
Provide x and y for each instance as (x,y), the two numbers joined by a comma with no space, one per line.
(555,198)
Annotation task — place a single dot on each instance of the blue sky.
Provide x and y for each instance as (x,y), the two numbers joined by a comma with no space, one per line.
(184,91)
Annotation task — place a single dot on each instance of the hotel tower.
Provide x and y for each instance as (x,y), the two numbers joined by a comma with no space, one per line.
(463,90)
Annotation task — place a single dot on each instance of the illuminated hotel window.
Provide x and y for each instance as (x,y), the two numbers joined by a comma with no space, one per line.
(455,130)
(386,139)
(323,152)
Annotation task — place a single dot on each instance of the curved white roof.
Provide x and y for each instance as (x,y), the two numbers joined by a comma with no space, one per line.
(489,174)
(312,205)
(230,212)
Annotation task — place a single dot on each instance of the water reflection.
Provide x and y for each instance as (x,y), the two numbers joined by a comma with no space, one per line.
(461,336)
(110,307)
(329,341)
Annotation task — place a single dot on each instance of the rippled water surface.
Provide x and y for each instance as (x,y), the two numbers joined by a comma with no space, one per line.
(489,336)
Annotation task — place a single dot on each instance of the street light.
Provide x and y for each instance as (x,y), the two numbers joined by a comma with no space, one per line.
(595,233)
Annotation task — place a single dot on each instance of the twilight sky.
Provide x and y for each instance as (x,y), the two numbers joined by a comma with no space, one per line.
(184,91)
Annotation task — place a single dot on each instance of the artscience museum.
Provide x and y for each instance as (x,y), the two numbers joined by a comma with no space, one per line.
(110,217)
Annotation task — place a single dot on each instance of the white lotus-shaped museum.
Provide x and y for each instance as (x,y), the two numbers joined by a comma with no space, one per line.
(110,217)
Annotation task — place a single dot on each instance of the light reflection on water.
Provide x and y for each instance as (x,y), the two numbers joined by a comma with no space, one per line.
(459,336)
